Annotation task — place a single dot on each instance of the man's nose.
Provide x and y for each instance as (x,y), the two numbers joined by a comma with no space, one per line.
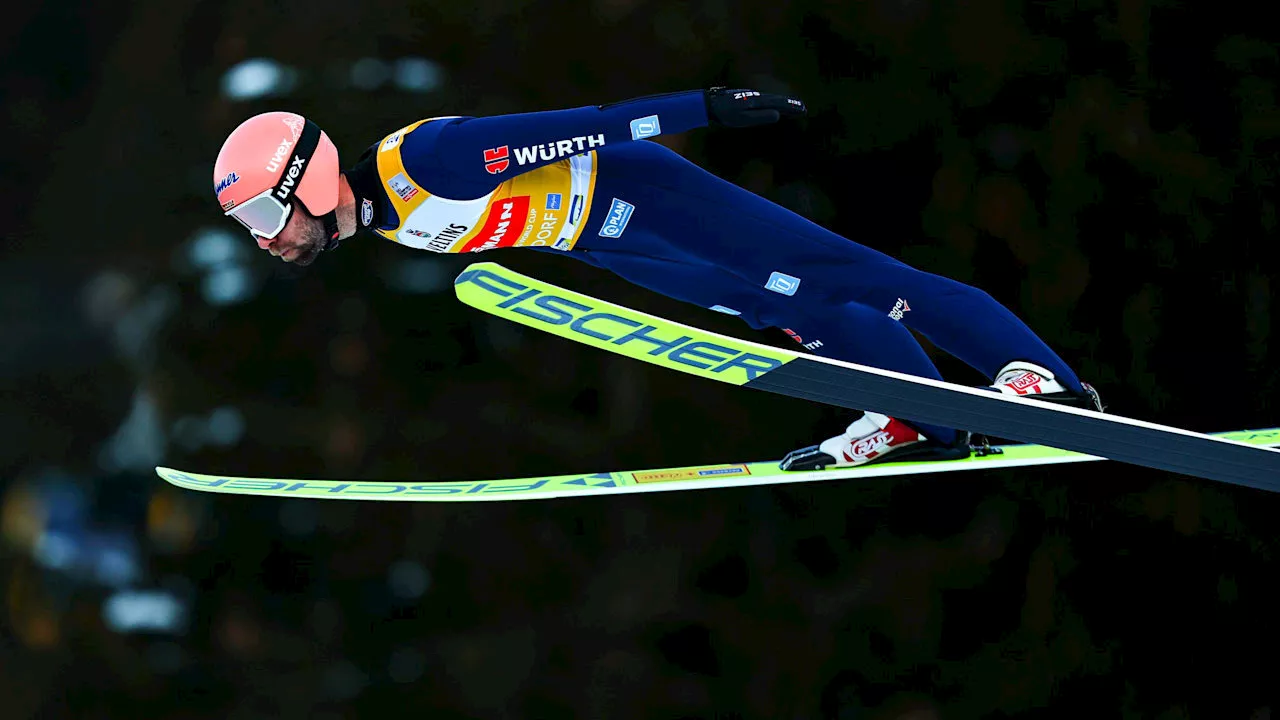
(264,243)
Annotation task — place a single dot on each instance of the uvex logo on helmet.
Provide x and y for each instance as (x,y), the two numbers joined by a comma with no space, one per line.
(279,156)
(290,180)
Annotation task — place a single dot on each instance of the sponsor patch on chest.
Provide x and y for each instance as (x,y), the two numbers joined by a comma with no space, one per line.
(402,187)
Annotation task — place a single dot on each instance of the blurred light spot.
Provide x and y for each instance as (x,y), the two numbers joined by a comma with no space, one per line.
(24,516)
(408,579)
(239,633)
(55,551)
(115,562)
(139,443)
(39,627)
(369,73)
(226,286)
(406,665)
(257,78)
(107,296)
(226,426)
(213,247)
(171,521)
(144,611)
(417,74)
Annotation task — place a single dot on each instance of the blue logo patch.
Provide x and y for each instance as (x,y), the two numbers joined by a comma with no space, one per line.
(226,182)
(644,127)
(553,201)
(366,212)
(783,283)
(616,221)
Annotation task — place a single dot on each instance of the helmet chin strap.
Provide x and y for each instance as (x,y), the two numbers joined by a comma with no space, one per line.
(330,220)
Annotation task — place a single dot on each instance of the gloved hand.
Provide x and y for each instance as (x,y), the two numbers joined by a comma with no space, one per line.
(739,108)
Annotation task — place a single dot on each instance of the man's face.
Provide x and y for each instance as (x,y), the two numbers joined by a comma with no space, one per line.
(299,242)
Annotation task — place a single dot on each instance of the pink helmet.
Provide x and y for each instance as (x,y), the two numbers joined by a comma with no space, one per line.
(269,161)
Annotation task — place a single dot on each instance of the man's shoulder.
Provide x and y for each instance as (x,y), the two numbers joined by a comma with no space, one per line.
(421,131)
(417,151)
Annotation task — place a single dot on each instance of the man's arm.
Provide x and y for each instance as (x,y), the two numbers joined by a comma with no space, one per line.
(497,148)
(486,151)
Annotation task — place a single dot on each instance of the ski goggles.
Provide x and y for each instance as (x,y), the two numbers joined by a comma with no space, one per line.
(266,214)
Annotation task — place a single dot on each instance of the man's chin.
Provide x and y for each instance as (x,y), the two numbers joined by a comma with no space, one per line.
(306,257)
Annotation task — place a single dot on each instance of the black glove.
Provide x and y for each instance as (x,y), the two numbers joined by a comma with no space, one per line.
(739,108)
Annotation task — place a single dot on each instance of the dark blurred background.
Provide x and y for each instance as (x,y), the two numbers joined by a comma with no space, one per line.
(1106,169)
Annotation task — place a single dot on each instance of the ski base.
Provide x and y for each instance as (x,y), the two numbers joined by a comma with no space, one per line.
(638,481)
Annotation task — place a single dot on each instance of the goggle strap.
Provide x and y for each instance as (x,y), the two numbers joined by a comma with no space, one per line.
(303,150)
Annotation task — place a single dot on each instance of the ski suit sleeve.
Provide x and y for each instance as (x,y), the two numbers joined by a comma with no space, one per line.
(490,150)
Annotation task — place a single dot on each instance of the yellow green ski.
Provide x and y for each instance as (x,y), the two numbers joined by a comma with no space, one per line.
(635,481)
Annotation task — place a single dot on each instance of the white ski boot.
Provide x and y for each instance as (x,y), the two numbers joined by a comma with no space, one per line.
(1036,383)
(874,437)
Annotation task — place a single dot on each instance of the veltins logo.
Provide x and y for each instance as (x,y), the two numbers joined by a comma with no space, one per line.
(616,221)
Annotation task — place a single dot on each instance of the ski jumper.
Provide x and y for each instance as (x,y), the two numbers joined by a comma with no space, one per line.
(584,182)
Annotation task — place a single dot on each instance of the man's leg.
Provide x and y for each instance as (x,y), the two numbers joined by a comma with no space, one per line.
(806,265)
(850,332)
(855,333)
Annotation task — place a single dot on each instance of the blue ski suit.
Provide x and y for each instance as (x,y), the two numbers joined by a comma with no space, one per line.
(585,183)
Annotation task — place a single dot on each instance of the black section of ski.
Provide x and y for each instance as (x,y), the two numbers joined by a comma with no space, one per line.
(1027,421)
